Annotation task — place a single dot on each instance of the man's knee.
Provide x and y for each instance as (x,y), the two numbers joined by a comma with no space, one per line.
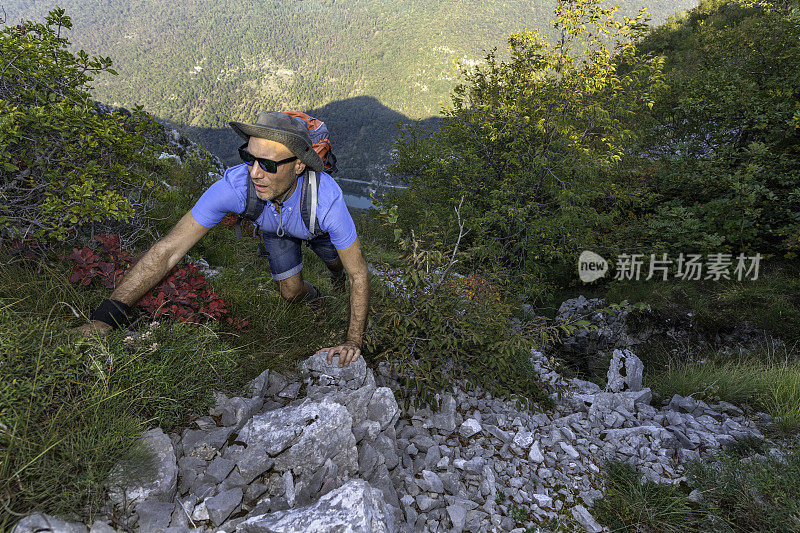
(291,289)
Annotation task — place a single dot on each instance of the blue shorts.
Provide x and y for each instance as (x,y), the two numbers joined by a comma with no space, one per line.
(285,255)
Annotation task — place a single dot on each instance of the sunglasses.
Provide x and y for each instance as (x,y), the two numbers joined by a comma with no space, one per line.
(267,165)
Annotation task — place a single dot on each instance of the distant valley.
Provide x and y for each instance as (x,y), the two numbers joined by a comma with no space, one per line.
(363,66)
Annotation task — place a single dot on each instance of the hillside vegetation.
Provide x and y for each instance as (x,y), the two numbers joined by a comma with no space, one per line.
(202,64)
(611,138)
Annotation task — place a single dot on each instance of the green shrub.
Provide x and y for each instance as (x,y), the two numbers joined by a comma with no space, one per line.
(433,328)
(723,136)
(537,147)
(64,163)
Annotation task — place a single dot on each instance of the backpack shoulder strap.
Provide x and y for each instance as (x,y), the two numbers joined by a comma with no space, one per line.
(308,202)
(253,207)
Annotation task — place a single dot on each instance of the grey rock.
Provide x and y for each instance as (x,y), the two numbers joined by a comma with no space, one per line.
(585,519)
(239,410)
(253,461)
(383,407)
(291,391)
(488,480)
(258,387)
(37,523)
(523,439)
(431,482)
(354,506)
(233,481)
(367,460)
(382,481)
(101,527)
(469,428)
(385,447)
(444,420)
(303,437)
(204,444)
(276,382)
(154,516)
(535,453)
(219,469)
(223,504)
(351,376)
(425,502)
(151,473)
(632,380)
(356,400)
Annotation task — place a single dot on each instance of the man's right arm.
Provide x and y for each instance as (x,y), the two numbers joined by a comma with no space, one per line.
(154,265)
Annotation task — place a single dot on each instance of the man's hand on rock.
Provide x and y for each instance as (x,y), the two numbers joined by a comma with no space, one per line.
(348,352)
(94,327)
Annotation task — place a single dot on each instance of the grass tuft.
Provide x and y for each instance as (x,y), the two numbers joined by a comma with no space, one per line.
(630,505)
(773,386)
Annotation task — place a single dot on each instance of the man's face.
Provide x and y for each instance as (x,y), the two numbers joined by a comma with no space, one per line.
(273,186)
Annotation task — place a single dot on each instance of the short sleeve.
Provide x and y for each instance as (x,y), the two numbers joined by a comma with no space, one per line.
(218,200)
(339,224)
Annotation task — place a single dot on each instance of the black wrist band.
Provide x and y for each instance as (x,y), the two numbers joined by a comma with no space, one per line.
(112,312)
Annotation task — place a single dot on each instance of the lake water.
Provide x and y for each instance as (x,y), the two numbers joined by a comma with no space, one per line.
(358,202)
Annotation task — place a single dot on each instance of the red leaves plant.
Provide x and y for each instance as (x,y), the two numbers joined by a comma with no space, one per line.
(183,296)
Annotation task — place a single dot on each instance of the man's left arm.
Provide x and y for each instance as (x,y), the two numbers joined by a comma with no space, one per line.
(356,267)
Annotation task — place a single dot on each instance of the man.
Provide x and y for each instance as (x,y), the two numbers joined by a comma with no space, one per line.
(277,154)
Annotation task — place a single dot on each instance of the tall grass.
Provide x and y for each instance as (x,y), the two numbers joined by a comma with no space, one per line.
(630,505)
(760,494)
(70,406)
(758,379)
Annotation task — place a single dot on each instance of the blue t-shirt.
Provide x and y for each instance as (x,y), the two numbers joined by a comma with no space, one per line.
(229,194)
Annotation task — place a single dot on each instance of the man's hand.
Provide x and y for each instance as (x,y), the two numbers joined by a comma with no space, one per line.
(348,352)
(93,327)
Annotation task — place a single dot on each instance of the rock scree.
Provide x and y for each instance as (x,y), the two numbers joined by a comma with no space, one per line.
(342,457)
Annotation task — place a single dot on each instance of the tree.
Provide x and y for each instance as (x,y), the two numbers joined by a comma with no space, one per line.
(536,144)
(64,161)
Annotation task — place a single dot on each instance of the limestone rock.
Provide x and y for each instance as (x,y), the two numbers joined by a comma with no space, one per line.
(633,367)
(354,506)
(152,477)
(37,523)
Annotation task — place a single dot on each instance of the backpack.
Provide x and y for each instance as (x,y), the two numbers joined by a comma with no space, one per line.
(321,143)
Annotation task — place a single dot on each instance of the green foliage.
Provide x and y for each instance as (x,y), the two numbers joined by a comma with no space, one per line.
(63,162)
(70,406)
(536,145)
(760,494)
(723,138)
(432,328)
(630,505)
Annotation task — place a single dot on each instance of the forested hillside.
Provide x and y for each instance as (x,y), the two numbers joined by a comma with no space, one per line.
(204,63)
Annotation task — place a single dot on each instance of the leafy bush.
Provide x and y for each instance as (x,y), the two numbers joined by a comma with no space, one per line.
(432,329)
(723,138)
(64,162)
